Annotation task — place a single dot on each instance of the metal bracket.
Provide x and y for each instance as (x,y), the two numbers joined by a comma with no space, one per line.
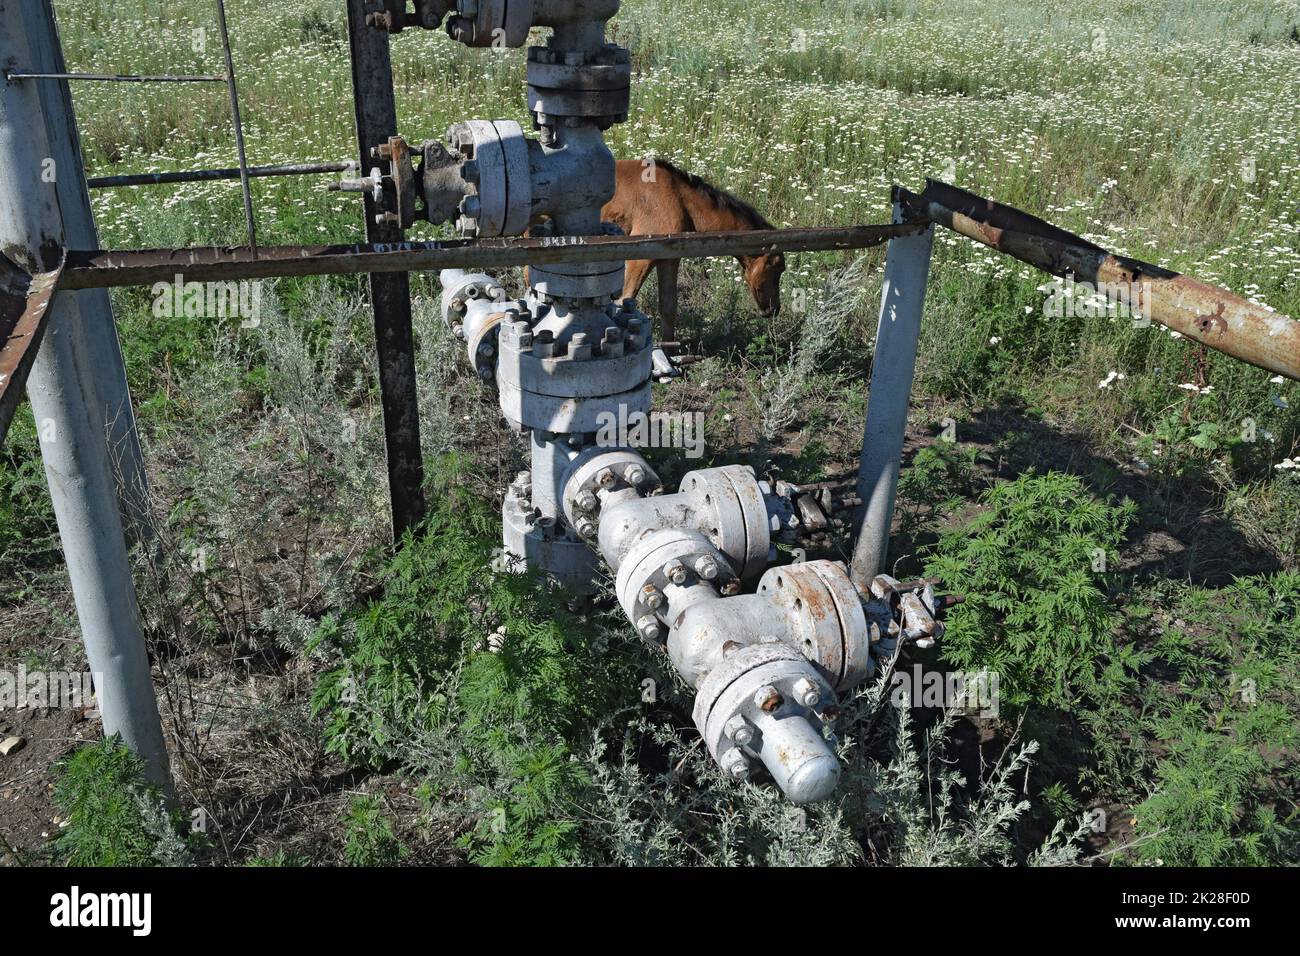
(24,313)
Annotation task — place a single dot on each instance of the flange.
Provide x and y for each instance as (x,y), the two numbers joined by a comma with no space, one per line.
(667,557)
(830,627)
(501,201)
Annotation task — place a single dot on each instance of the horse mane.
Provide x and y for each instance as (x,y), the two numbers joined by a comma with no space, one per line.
(719,197)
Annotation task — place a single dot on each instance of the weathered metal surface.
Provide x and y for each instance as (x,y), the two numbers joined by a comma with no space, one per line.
(390,290)
(207,175)
(1201,312)
(893,366)
(24,313)
(107,269)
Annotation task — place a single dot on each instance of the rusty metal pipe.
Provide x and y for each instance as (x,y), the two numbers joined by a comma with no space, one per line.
(1203,313)
(107,268)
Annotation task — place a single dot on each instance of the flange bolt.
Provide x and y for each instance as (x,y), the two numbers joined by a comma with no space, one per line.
(675,571)
(807,692)
(739,731)
(735,764)
(767,698)
(706,568)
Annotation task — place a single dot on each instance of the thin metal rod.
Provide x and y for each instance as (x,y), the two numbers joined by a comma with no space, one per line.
(239,128)
(11,75)
(107,268)
(208,175)
(902,300)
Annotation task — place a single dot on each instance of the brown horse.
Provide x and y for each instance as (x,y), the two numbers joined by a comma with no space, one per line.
(655,196)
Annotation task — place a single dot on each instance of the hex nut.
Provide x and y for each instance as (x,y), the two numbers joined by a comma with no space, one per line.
(735,764)
(675,571)
(706,568)
(739,731)
(767,698)
(807,692)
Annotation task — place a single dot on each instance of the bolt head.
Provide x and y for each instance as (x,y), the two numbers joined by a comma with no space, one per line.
(739,731)
(807,692)
(767,698)
(675,571)
(706,568)
(735,764)
(585,501)
(648,626)
(635,475)
(586,528)
(606,478)
(652,597)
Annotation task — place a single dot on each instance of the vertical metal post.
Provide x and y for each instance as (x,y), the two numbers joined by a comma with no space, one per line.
(66,387)
(907,268)
(390,293)
(91,309)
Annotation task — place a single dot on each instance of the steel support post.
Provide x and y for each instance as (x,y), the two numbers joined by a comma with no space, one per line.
(390,293)
(92,310)
(907,268)
(73,376)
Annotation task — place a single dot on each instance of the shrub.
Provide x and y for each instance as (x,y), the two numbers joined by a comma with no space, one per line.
(369,836)
(415,682)
(114,817)
(1033,568)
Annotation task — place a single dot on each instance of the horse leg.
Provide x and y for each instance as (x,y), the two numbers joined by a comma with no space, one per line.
(667,273)
(638,270)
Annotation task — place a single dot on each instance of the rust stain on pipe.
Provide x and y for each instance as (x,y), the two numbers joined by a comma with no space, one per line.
(1201,312)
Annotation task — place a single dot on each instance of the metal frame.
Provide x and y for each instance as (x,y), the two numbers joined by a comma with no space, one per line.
(390,292)
(70,389)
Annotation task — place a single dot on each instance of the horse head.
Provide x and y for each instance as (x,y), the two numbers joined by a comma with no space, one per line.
(763,276)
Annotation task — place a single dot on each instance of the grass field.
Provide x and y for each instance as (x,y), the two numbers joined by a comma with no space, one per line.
(329,703)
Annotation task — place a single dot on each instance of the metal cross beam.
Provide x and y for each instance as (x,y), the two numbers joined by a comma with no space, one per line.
(107,268)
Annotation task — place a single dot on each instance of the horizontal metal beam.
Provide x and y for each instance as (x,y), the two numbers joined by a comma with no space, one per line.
(106,268)
(1204,313)
(207,175)
(11,75)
